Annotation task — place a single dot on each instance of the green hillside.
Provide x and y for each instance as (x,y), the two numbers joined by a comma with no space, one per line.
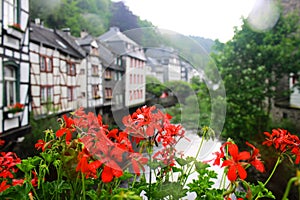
(96,16)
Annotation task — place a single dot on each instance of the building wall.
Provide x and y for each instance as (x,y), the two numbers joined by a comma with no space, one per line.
(135,85)
(14,52)
(89,77)
(63,94)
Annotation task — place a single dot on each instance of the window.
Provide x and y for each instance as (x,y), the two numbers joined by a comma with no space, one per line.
(95,70)
(71,93)
(108,93)
(119,61)
(82,72)
(108,74)
(71,69)
(45,64)
(13,12)
(120,76)
(46,94)
(95,91)
(42,63)
(130,95)
(49,65)
(141,94)
(10,85)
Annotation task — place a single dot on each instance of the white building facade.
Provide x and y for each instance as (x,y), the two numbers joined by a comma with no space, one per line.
(15,68)
(54,73)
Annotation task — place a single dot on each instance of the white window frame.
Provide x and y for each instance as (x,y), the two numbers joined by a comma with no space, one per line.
(11,88)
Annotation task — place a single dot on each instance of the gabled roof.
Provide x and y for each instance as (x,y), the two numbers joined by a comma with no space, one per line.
(106,56)
(120,44)
(114,35)
(55,39)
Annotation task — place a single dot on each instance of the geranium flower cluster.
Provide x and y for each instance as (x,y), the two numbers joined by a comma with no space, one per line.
(8,170)
(17,107)
(284,142)
(236,162)
(149,126)
(108,151)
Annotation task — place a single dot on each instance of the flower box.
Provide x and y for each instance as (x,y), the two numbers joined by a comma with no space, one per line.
(13,115)
(15,30)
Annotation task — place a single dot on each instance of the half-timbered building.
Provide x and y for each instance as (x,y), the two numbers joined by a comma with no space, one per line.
(90,74)
(55,63)
(15,68)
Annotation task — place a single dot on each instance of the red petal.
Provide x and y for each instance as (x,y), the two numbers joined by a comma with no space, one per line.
(243,156)
(258,165)
(106,175)
(117,173)
(232,173)
(135,167)
(233,150)
(60,132)
(242,172)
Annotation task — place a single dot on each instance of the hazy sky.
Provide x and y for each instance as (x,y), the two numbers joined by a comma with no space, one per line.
(213,19)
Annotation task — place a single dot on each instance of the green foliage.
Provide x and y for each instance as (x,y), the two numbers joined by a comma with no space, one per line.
(251,65)
(203,185)
(180,89)
(38,126)
(154,86)
(92,16)
(195,112)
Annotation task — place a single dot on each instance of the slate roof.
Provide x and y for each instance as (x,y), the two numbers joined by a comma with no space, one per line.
(159,53)
(114,35)
(55,39)
(118,43)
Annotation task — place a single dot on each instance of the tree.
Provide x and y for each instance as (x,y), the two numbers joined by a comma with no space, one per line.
(180,89)
(154,86)
(251,65)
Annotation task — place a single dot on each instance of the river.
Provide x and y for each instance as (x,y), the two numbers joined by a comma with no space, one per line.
(190,147)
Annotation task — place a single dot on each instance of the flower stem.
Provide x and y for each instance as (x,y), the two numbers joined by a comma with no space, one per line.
(197,154)
(83,185)
(273,171)
(288,187)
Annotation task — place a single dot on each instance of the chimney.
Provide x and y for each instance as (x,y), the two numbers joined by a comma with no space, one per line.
(66,30)
(83,33)
(114,28)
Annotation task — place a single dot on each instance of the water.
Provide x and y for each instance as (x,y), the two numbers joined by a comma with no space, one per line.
(190,147)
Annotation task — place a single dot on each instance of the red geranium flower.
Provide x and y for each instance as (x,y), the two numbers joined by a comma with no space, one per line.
(89,168)
(235,162)
(40,145)
(254,159)
(4,186)
(284,141)
(68,128)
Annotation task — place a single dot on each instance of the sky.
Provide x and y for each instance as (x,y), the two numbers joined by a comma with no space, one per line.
(214,19)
